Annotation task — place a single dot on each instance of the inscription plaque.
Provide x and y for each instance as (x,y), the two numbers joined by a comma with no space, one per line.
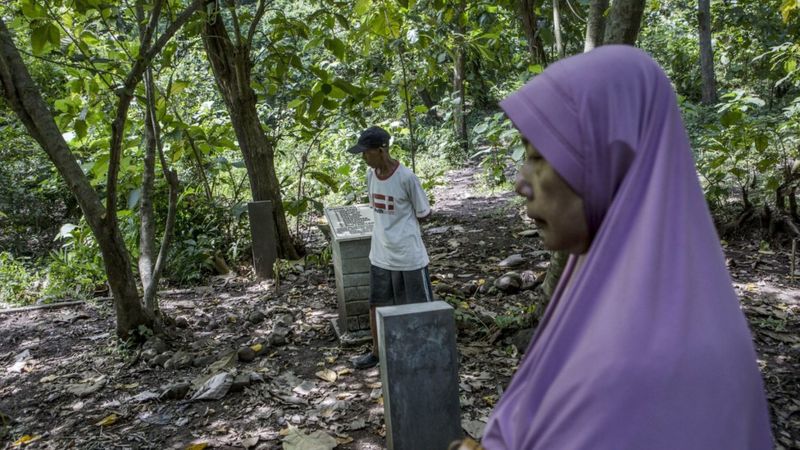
(350,222)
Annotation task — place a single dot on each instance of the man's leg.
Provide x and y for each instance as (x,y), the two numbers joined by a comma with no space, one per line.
(381,293)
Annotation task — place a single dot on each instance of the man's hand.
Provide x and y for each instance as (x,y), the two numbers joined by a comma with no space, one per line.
(425,218)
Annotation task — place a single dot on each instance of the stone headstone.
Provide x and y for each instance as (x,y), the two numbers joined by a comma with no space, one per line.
(419,375)
(351,233)
(262,230)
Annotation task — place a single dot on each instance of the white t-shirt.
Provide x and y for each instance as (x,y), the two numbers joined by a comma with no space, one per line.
(396,203)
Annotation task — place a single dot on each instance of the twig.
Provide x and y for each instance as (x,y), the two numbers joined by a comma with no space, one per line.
(794,254)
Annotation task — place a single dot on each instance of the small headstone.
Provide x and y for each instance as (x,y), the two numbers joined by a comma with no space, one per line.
(262,229)
(419,375)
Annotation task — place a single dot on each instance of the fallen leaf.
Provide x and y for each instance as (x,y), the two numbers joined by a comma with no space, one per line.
(84,389)
(327,375)
(24,440)
(215,388)
(48,378)
(108,420)
(474,428)
(344,440)
(317,440)
(256,347)
(197,446)
(343,372)
(250,442)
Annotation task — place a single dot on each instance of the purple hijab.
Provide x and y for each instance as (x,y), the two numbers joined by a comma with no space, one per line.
(644,346)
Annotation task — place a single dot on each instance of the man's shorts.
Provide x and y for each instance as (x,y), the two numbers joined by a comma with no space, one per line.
(399,287)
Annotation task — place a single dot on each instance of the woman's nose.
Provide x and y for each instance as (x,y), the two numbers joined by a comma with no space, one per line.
(523,188)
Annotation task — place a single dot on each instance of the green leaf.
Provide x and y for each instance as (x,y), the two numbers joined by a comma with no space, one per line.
(53,35)
(535,69)
(39,38)
(362,6)
(325,179)
(296,102)
(762,142)
(316,102)
(420,109)
(80,128)
(731,117)
(337,47)
(32,10)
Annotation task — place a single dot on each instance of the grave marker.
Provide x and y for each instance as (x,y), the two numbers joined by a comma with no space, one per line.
(419,375)
(351,233)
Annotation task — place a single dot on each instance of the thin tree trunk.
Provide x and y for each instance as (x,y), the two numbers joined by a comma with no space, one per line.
(459,90)
(557,29)
(153,133)
(706,53)
(595,24)
(231,65)
(25,99)
(624,22)
(527,13)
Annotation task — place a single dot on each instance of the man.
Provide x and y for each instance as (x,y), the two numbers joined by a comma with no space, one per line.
(399,262)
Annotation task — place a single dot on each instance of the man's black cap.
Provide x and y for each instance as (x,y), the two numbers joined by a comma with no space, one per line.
(372,137)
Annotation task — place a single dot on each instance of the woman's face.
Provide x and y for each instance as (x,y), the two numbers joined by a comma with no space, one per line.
(552,204)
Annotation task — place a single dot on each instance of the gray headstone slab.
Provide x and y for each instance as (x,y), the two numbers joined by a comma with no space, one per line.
(419,375)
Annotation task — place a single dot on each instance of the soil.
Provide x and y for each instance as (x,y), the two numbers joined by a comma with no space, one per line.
(65,382)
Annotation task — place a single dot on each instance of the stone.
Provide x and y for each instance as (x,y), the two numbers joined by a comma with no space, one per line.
(179,360)
(419,375)
(203,361)
(255,317)
(528,280)
(469,288)
(522,338)
(509,283)
(485,287)
(240,382)
(156,344)
(515,260)
(175,391)
(246,354)
(159,360)
(149,354)
(181,322)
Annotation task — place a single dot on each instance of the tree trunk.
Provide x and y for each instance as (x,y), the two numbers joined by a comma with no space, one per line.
(557,29)
(595,24)
(558,261)
(25,99)
(459,91)
(147,225)
(231,65)
(527,13)
(155,263)
(706,53)
(624,22)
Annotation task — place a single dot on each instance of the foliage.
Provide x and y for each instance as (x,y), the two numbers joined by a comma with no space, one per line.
(17,281)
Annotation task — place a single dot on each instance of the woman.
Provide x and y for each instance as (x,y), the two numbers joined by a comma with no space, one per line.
(643,345)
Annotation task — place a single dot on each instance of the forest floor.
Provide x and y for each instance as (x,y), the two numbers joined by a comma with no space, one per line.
(258,366)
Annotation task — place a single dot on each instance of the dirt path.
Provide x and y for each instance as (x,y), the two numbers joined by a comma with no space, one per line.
(66,383)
